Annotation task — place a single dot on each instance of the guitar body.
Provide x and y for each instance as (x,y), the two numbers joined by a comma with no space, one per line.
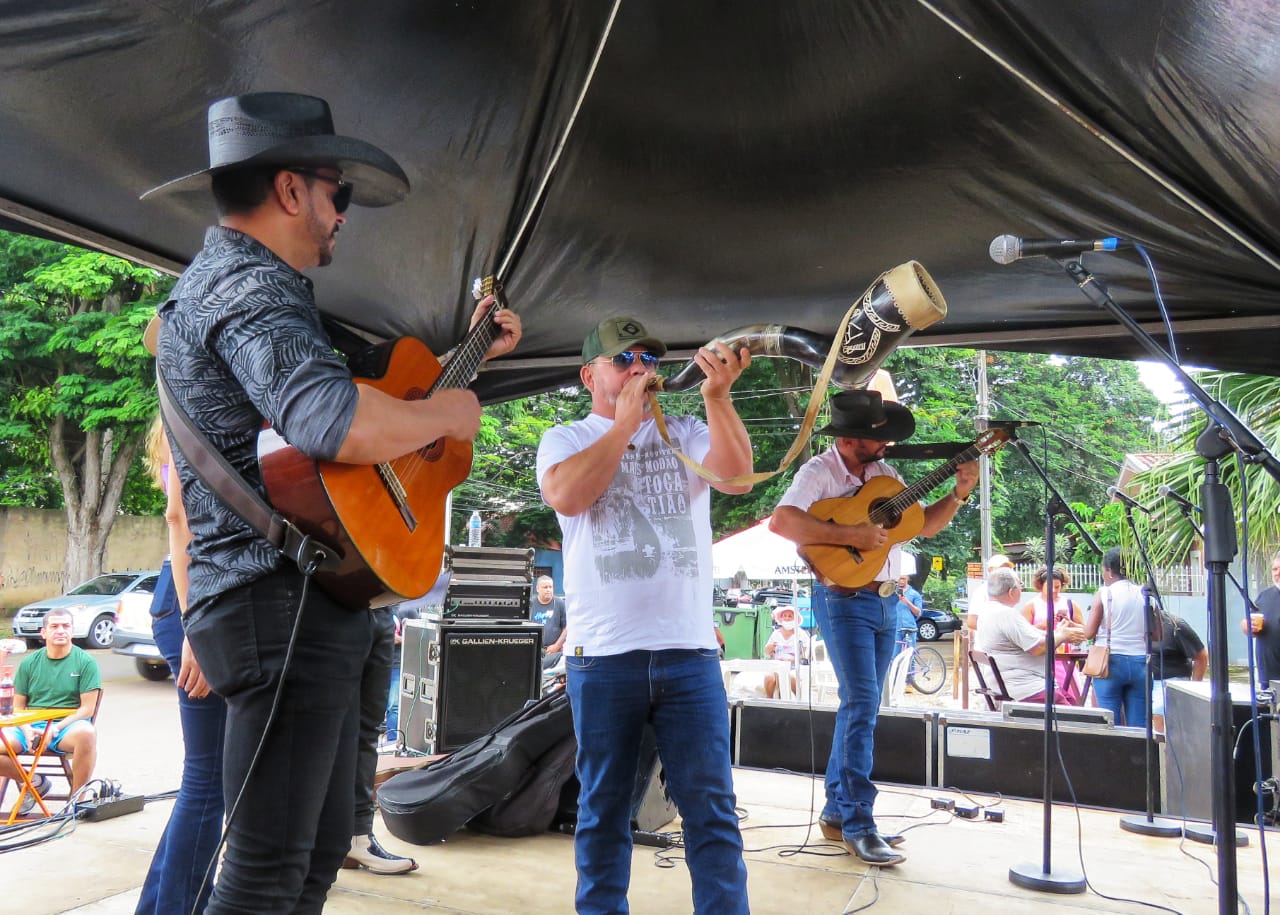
(390,530)
(849,567)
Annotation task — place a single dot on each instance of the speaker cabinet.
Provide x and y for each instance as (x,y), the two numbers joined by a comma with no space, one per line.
(790,735)
(1188,760)
(459,678)
(1107,765)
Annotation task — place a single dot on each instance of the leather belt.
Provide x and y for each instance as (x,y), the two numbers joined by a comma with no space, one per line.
(873,587)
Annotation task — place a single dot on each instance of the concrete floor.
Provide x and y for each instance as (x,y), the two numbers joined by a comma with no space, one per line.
(953,866)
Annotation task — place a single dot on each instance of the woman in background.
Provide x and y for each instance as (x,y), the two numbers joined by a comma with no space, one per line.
(190,839)
(1117,620)
(1065,610)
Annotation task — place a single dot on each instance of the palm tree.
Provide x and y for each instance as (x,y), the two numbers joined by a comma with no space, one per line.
(1256,400)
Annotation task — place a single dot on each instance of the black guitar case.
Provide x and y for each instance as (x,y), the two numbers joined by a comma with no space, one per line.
(430,804)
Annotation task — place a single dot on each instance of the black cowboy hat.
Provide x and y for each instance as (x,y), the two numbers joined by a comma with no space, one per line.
(863,414)
(284,128)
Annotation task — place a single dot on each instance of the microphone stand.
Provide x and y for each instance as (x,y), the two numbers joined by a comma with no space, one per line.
(1042,876)
(1149,825)
(1226,432)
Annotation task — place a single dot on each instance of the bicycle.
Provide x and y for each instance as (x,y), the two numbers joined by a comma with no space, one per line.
(920,667)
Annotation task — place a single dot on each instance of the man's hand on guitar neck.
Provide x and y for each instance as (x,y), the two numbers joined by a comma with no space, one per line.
(505,318)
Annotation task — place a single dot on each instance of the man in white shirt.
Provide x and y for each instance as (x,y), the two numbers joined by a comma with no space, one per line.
(641,644)
(1014,644)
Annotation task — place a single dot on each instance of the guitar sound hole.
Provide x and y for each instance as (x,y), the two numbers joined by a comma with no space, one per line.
(433,451)
(882,516)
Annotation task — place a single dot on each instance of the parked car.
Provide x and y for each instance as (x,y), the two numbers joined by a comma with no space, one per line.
(92,605)
(133,636)
(778,595)
(932,625)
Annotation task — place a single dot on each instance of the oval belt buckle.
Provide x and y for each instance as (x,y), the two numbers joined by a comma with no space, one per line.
(887,588)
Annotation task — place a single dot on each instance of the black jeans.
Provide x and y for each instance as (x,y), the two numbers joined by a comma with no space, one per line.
(293,825)
(374,682)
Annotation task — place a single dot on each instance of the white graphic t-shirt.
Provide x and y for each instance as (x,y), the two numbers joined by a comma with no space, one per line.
(633,578)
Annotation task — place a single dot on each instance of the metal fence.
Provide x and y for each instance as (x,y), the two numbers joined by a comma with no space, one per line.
(1186,579)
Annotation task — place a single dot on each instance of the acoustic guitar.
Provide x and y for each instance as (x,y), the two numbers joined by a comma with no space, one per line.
(891,505)
(386,521)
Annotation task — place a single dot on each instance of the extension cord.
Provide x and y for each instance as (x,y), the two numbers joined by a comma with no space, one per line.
(106,808)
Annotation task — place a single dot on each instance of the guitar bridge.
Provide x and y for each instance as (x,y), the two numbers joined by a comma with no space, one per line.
(395,489)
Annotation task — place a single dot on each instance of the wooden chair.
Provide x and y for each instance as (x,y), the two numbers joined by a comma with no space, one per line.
(993,694)
(55,766)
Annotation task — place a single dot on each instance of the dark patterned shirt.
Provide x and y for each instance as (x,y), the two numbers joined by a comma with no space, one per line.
(242,344)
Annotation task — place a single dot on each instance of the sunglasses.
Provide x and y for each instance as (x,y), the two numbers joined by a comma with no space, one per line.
(625,360)
(341,198)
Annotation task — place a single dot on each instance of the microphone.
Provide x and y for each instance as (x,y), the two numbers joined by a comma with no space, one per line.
(1172,496)
(1115,493)
(1005,249)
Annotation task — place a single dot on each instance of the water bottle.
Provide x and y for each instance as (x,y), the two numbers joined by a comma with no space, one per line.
(473,529)
(6,691)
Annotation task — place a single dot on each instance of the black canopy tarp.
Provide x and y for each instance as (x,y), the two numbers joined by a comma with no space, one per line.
(731,163)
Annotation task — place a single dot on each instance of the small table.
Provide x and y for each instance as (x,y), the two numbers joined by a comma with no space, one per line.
(25,773)
(1077,658)
(731,668)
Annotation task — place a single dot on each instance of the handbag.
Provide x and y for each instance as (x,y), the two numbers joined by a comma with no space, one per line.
(1098,662)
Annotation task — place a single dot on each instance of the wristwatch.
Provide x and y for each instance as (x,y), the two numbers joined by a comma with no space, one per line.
(954,497)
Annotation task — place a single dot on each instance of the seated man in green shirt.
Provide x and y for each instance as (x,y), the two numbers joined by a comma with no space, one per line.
(60,675)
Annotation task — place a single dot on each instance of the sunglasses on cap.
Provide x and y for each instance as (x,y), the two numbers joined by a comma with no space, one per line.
(341,198)
(626,359)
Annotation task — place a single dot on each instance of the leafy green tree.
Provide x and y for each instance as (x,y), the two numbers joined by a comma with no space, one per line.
(78,384)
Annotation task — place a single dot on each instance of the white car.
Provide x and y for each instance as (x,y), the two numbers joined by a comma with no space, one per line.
(133,636)
(92,605)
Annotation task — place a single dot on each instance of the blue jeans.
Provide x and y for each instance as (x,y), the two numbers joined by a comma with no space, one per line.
(293,826)
(860,630)
(373,711)
(1125,690)
(195,823)
(681,692)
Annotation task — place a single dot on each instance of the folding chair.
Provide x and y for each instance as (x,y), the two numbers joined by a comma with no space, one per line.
(994,695)
(53,765)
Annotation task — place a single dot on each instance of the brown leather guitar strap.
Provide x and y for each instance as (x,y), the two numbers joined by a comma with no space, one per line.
(208,463)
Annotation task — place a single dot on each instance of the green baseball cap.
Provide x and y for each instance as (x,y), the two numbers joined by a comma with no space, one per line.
(614,335)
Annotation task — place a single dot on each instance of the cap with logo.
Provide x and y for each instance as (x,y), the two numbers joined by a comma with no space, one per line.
(616,335)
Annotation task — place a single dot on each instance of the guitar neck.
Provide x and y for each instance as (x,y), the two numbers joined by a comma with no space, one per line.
(892,508)
(469,353)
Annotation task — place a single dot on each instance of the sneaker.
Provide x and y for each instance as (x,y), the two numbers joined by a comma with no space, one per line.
(367,853)
(42,784)
(28,804)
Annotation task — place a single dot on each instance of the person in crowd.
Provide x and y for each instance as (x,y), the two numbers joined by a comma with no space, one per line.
(859,625)
(787,643)
(979,600)
(59,676)
(910,603)
(405,610)
(1263,624)
(547,609)
(242,345)
(1036,612)
(175,881)
(1117,620)
(1017,647)
(1177,653)
(641,644)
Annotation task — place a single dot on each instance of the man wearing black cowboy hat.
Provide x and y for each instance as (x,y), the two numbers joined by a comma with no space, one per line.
(242,344)
(858,624)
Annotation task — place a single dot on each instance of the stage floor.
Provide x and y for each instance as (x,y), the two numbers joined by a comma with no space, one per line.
(954,865)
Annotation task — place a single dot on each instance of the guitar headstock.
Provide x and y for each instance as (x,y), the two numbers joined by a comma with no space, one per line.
(992,440)
(488,285)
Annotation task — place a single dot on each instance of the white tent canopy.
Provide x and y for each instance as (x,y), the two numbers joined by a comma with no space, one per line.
(758,553)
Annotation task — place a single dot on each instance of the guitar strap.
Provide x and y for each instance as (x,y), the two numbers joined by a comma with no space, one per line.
(216,472)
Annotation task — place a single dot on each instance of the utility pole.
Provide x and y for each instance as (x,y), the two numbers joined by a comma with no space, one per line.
(984,461)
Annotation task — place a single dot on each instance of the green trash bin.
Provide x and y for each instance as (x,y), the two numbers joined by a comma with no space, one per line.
(738,627)
(764,628)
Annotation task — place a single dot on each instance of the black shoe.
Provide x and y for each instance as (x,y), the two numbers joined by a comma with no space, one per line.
(874,850)
(830,827)
(893,841)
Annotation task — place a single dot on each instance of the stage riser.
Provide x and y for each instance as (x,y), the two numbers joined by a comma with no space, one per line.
(989,756)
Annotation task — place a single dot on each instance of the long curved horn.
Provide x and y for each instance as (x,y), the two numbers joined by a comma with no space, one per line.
(900,302)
